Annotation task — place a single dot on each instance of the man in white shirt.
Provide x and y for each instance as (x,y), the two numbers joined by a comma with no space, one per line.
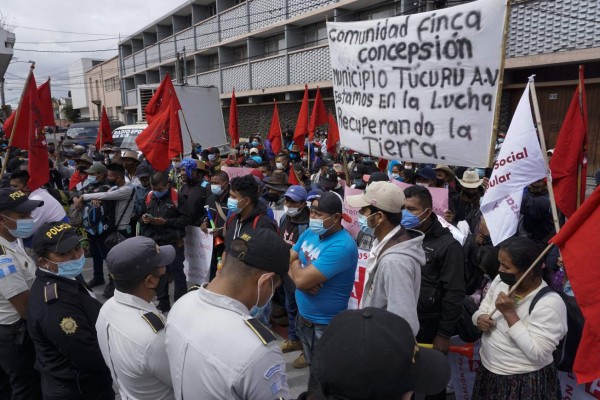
(130,328)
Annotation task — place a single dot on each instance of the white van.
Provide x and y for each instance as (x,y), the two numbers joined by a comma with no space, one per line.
(124,136)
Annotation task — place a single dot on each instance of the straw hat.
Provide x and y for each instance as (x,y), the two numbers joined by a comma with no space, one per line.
(470,179)
(446,169)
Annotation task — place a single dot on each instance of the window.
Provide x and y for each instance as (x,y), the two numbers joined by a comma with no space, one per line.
(274,45)
(315,35)
(236,2)
(213,61)
(212,9)
(97,89)
(240,54)
(111,84)
(91,87)
(388,11)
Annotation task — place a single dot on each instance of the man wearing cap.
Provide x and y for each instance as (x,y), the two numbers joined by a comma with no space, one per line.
(217,206)
(277,185)
(216,349)
(468,201)
(426,177)
(357,174)
(393,274)
(61,319)
(142,174)
(329,182)
(282,162)
(17,271)
(195,190)
(382,358)
(130,328)
(322,265)
(130,162)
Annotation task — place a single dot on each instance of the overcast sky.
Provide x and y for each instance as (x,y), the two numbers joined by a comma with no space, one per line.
(106,19)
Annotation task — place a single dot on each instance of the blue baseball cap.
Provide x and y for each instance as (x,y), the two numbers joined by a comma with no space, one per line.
(296,193)
(314,194)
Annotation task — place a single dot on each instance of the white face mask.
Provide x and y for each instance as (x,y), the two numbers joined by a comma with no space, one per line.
(176,164)
(279,165)
(423,184)
(291,211)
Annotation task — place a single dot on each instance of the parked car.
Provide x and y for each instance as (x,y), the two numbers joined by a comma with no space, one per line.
(124,136)
(85,133)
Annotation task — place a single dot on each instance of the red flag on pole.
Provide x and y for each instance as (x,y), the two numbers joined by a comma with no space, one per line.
(292,177)
(45,96)
(275,131)
(161,99)
(21,124)
(570,154)
(104,131)
(333,135)
(33,118)
(577,241)
(302,124)
(318,116)
(161,140)
(8,124)
(234,133)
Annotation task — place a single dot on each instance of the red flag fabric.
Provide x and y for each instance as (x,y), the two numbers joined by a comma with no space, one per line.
(9,123)
(275,131)
(571,152)
(46,109)
(161,140)
(577,241)
(161,100)
(302,124)
(32,117)
(318,116)
(333,135)
(382,165)
(292,177)
(234,133)
(104,131)
(21,124)
(76,178)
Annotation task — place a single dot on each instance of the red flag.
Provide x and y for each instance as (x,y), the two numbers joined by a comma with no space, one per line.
(318,116)
(76,178)
(234,133)
(302,124)
(577,241)
(382,164)
(333,135)
(104,131)
(161,140)
(32,117)
(570,153)
(275,131)
(292,177)
(8,124)
(21,124)
(161,100)
(46,109)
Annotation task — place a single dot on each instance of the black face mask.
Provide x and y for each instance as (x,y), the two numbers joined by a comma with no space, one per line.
(111,183)
(470,195)
(273,197)
(360,184)
(508,278)
(81,169)
(439,182)
(162,283)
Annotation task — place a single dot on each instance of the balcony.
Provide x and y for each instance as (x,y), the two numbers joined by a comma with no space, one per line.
(269,72)
(311,65)
(211,78)
(152,56)
(131,98)
(237,77)
(298,7)
(185,39)
(139,61)
(234,21)
(128,65)
(167,49)
(207,33)
(265,12)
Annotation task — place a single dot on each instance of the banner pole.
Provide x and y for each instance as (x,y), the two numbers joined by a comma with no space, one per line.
(500,86)
(345,164)
(516,285)
(540,130)
(280,131)
(579,164)
(186,126)
(14,127)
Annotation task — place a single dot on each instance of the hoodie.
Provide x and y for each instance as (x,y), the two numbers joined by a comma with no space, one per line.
(394,282)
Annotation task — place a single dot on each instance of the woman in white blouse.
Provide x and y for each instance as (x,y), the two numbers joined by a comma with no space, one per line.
(516,347)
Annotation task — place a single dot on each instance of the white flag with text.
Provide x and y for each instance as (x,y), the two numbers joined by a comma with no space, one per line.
(519,163)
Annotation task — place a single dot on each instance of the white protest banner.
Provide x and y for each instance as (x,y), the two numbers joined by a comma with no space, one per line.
(359,279)
(456,233)
(420,87)
(352,212)
(519,163)
(198,253)
(439,197)
(234,172)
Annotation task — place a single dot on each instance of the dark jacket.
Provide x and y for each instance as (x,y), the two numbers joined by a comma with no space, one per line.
(290,228)
(258,218)
(61,321)
(442,280)
(192,200)
(171,231)
(212,207)
(537,221)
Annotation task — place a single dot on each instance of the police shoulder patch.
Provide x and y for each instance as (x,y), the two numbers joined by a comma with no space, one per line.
(264,334)
(155,321)
(50,292)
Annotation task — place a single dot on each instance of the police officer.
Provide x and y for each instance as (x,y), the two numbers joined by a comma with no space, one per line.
(130,328)
(216,349)
(18,378)
(61,319)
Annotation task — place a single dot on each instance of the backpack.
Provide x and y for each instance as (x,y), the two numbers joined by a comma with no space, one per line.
(465,328)
(172,192)
(61,196)
(98,220)
(564,355)
(301,227)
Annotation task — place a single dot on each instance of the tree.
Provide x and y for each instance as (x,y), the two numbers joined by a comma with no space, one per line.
(70,114)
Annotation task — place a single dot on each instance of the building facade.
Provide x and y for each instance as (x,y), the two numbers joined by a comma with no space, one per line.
(104,89)
(266,49)
(79,86)
(7,42)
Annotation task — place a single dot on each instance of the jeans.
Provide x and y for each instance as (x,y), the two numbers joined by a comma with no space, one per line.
(175,270)
(18,379)
(309,334)
(99,252)
(292,311)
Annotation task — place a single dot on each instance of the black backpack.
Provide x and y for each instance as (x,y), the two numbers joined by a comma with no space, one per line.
(564,355)
(99,220)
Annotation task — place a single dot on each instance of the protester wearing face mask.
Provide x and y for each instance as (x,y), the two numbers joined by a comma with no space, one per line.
(357,174)
(322,266)
(468,200)
(537,222)
(425,177)
(276,185)
(213,327)
(442,277)
(282,162)
(393,275)
(142,174)
(163,223)
(214,158)
(130,328)
(175,173)
(518,342)
(217,207)
(17,355)
(397,173)
(61,319)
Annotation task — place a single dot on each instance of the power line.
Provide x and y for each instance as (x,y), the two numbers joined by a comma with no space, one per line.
(73,41)
(65,51)
(52,30)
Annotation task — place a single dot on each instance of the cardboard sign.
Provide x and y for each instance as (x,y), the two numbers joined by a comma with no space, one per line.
(439,197)
(234,172)
(352,212)
(198,254)
(420,87)
(359,280)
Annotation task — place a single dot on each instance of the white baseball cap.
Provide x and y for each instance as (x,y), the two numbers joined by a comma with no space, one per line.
(385,196)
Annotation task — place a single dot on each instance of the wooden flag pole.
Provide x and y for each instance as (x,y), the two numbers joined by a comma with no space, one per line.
(54,124)
(516,285)
(345,166)
(540,129)
(186,125)
(579,164)
(14,127)
(279,124)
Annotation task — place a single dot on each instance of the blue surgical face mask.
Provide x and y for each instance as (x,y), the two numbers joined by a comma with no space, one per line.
(293,156)
(363,223)
(71,268)
(198,149)
(257,311)
(255,143)
(212,157)
(160,195)
(232,205)
(409,220)
(24,227)
(216,189)
(316,226)
(71,162)
(90,179)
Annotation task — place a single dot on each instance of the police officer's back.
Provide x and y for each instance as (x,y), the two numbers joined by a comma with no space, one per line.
(61,316)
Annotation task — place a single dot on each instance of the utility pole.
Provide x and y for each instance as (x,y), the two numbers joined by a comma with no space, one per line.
(430,5)
(2,100)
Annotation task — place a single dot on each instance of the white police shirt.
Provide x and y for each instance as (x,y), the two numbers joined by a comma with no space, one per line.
(215,354)
(17,271)
(133,346)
